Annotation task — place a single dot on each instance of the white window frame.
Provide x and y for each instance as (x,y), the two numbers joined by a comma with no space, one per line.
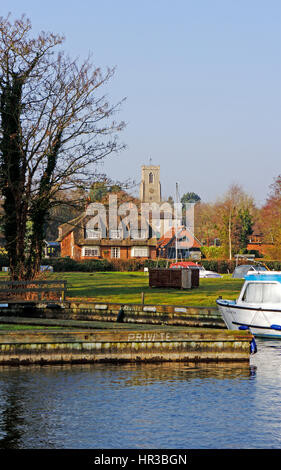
(90,251)
(139,234)
(140,252)
(115,252)
(91,233)
(115,234)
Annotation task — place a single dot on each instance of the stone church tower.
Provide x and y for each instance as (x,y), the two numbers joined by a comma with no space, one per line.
(150,187)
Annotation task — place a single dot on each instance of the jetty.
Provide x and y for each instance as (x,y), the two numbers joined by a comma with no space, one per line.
(90,332)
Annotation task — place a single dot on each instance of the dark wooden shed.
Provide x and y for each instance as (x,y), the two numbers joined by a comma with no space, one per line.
(183,278)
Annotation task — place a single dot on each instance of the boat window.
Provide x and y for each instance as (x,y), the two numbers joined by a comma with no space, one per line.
(259,292)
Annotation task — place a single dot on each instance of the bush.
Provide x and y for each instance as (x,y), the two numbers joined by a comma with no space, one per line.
(68,264)
(137,265)
(273,265)
(221,266)
(212,252)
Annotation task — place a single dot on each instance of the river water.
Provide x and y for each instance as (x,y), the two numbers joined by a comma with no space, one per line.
(167,406)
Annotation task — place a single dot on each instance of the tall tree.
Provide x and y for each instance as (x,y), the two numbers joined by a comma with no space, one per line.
(270,220)
(234,219)
(190,197)
(55,126)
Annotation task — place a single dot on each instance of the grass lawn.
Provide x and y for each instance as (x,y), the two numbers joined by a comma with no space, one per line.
(126,287)
(12,327)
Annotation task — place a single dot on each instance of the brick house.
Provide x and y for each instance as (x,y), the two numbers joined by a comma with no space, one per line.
(187,245)
(257,243)
(84,238)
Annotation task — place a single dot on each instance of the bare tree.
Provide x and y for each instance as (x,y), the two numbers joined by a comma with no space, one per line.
(55,126)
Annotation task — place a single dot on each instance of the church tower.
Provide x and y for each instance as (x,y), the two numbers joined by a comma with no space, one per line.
(150,187)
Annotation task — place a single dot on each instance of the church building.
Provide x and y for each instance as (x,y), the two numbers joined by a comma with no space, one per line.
(150,187)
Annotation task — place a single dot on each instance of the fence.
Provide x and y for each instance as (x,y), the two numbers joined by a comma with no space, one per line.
(33,291)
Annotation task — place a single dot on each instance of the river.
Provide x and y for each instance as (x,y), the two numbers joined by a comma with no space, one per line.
(159,406)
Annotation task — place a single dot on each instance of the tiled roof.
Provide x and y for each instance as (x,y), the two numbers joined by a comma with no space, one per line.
(185,239)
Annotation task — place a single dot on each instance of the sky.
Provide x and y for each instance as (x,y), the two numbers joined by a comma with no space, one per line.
(202,82)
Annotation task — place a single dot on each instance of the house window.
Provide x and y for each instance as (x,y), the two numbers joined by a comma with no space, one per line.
(140,251)
(115,252)
(116,234)
(92,233)
(91,251)
(138,234)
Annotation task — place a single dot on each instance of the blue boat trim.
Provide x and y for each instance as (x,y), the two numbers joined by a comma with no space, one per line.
(245,325)
(253,347)
(276,327)
(269,277)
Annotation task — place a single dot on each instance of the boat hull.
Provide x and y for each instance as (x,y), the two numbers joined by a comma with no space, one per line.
(264,323)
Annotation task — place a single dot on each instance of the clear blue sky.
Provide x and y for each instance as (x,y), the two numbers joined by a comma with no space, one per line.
(202,80)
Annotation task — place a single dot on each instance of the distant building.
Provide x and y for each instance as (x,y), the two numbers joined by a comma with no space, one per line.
(88,237)
(81,239)
(51,249)
(257,243)
(179,242)
(150,187)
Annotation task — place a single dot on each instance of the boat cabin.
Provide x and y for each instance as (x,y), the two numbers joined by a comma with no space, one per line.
(261,288)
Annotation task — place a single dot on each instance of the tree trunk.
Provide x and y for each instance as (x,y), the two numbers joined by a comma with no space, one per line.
(13,176)
(229,236)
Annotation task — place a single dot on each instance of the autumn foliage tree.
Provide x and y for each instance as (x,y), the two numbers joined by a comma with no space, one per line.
(230,219)
(269,223)
(235,219)
(55,125)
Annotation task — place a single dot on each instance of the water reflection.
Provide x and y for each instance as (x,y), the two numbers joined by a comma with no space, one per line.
(169,405)
(11,416)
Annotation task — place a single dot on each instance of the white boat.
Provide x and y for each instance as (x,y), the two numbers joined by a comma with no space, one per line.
(258,307)
(204,273)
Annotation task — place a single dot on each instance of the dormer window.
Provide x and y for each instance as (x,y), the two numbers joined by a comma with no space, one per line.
(139,234)
(92,233)
(115,234)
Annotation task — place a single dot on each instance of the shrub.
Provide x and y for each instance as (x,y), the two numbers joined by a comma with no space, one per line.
(212,252)
(221,266)
(68,264)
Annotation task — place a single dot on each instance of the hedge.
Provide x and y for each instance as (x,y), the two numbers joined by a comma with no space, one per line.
(223,266)
(67,264)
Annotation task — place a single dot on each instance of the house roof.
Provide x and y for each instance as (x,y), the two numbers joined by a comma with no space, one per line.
(77,226)
(71,225)
(185,238)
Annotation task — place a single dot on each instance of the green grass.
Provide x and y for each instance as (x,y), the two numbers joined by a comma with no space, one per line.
(12,327)
(126,287)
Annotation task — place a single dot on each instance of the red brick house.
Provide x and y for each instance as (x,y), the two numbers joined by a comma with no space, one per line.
(84,239)
(187,245)
(257,243)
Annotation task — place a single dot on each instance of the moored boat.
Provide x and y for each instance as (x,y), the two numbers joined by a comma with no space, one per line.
(258,307)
